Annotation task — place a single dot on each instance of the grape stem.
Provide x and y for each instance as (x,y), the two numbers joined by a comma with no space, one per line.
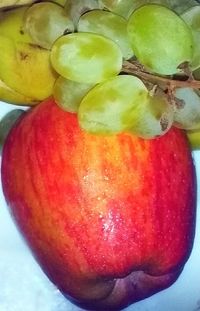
(135,69)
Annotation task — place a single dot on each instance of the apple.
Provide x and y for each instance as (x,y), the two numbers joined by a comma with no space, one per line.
(110,219)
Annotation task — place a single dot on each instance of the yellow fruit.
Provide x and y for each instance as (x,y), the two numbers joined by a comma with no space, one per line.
(11,25)
(194,139)
(10,96)
(26,68)
(7,3)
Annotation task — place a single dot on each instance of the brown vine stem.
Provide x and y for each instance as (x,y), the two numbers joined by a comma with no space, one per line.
(165,83)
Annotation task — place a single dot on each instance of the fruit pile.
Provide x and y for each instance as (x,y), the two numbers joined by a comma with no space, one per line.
(122,66)
(106,205)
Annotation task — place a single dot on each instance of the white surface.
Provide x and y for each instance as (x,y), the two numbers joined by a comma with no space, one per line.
(24,287)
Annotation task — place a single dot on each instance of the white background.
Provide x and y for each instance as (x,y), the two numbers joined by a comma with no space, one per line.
(24,287)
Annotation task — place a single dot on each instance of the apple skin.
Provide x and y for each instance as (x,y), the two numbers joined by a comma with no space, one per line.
(110,219)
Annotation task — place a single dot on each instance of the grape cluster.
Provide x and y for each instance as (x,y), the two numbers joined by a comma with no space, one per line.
(119,62)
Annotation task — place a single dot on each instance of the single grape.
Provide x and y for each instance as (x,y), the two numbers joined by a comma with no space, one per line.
(192,18)
(68,94)
(160,39)
(187,113)
(86,57)
(126,8)
(113,106)
(45,22)
(74,9)
(157,118)
(107,24)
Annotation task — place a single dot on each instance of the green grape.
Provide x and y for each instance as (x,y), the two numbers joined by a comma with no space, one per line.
(68,94)
(187,114)
(157,118)
(45,22)
(74,9)
(160,39)
(113,106)
(179,6)
(126,7)
(86,57)
(192,18)
(121,7)
(107,24)
(196,74)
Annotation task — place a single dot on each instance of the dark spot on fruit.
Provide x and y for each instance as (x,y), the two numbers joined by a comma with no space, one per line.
(23,56)
(36,46)
(163,123)
(179,103)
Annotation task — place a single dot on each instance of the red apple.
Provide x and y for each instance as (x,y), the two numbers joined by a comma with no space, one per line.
(110,219)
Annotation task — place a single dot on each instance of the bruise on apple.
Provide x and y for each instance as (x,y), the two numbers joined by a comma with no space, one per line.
(110,219)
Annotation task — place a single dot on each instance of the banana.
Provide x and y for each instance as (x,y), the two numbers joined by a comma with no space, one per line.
(194,139)
(8,3)
(26,68)
(12,97)
(11,25)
